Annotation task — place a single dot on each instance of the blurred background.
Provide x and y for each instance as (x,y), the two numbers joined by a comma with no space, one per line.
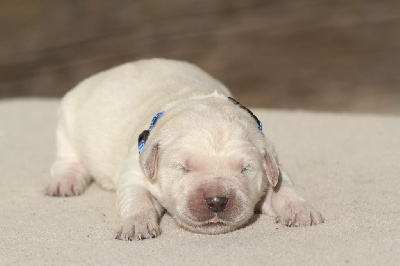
(334,56)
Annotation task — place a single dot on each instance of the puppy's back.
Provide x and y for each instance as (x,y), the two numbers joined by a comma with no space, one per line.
(103,113)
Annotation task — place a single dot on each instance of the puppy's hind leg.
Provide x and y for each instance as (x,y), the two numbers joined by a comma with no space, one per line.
(70,176)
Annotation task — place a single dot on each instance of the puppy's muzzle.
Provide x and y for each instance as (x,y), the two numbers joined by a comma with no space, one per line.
(216,204)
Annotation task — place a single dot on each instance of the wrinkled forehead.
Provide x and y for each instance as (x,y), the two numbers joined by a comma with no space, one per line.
(211,147)
(212,139)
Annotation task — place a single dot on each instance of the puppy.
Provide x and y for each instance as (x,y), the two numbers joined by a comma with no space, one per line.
(167,136)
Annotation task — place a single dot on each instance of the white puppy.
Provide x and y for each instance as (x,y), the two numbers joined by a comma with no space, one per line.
(203,158)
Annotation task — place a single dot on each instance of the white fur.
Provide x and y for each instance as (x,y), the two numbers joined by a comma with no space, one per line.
(200,147)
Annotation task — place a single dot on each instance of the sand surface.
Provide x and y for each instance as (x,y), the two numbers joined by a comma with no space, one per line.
(347,166)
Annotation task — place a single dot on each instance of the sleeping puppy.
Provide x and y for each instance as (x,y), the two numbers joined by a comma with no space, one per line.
(167,136)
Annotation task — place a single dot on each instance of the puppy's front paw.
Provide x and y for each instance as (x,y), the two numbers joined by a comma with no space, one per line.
(296,213)
(67,186)
(138,227)
(69,179)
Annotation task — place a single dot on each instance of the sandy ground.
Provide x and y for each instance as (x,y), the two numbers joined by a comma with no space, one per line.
(345,165)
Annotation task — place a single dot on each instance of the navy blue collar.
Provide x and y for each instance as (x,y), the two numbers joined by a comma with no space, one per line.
(145,134)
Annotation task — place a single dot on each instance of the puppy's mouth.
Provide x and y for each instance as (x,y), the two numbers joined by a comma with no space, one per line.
(218,225)
(216,221)
(212,221)
(215,225)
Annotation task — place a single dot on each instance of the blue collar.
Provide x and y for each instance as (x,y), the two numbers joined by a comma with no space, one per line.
(145,134)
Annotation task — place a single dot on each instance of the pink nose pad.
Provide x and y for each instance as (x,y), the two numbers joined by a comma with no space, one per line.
(216,204)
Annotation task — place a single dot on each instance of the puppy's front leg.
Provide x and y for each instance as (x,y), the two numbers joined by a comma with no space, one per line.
(140,213)
(285,204)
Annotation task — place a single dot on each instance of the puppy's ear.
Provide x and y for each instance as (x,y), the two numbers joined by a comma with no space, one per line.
(272,168)
(149,160)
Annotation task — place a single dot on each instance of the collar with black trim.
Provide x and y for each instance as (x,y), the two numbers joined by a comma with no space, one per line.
(145,134)
(250,112)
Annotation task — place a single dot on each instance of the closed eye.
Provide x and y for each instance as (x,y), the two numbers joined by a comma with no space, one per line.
(246,168)
(181,167)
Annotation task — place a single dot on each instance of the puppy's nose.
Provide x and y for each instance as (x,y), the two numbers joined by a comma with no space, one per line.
(216,204)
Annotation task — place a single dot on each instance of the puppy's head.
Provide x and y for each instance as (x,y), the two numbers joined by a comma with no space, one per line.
(209,164)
